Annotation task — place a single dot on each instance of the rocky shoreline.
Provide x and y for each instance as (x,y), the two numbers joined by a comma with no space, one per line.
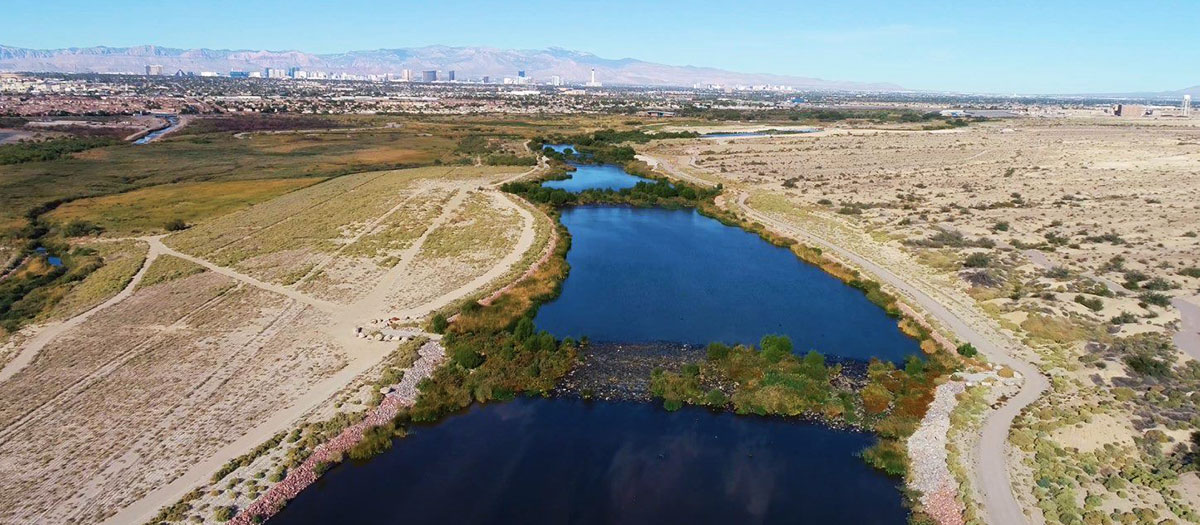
(929,472)
(404,394)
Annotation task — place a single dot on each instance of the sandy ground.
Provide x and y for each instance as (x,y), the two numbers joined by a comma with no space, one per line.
(151,392)
(1066,208)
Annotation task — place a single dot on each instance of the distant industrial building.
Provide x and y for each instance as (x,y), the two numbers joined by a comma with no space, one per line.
(1129,110)
(239,74)
(154,69)
(429,76)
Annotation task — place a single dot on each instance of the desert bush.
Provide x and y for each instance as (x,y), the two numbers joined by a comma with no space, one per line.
(977,260)
(1094,304)
(175,225)
(1155,298)
(79,228)
(967,350)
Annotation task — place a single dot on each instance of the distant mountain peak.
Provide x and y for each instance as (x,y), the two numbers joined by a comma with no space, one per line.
(571,65)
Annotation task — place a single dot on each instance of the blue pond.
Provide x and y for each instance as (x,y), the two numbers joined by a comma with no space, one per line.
(643,275)
(593,176)
(569,461)
(596,177)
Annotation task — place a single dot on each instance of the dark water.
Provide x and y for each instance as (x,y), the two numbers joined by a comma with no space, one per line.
(596,177)
(172,121)
(568,461)
(593,176)
(640,275)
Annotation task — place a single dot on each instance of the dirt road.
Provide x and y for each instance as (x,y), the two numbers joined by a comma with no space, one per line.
(49,332)
(1188,336)
(362,354)
(990,472)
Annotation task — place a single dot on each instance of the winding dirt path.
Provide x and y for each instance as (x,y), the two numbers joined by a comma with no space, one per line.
(48,333)
(990,472)
(362,355)
(325,306)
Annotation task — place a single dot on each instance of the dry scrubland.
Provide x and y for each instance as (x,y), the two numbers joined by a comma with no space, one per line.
(1070,235)
(198,356)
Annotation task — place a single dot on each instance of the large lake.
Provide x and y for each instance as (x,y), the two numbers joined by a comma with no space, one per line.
(640,275)
(554,461)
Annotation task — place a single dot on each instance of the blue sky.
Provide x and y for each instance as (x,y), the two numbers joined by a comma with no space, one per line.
(996,46)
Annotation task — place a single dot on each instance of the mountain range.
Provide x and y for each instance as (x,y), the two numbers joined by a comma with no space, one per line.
(467,62)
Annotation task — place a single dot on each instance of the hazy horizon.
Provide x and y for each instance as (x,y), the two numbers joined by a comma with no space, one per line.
(1027,47)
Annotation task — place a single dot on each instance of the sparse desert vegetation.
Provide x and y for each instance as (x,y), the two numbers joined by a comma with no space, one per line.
(1070,235)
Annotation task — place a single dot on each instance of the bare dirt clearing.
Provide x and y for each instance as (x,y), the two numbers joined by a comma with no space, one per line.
(133,406)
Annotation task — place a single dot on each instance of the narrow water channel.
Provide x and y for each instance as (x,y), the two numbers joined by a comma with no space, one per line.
(640,275)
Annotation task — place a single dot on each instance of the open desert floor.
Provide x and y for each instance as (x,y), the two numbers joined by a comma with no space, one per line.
(1066,245)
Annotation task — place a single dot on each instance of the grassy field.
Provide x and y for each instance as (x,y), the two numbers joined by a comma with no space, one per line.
(167,268)
(147,210)
(223,156)
(121,260)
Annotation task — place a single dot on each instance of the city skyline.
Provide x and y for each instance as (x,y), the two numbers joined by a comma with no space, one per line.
(1067,47)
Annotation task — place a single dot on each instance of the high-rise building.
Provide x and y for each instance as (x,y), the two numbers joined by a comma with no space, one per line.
(274,72)
(294,72)
(1187,105)
(556,80)
(592,82)
(521,74)
(429,76)
(154,69)
(487,79)
(450,75)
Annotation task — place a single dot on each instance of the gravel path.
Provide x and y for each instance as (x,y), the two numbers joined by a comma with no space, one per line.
(927,452)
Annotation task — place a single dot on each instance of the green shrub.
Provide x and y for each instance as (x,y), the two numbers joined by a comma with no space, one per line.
(79,228)
(717,351)
(1156,299)
(224,513)
(175,225)
(967,350)
(775,347)
(977,260)
(1092,303)
(439,323)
